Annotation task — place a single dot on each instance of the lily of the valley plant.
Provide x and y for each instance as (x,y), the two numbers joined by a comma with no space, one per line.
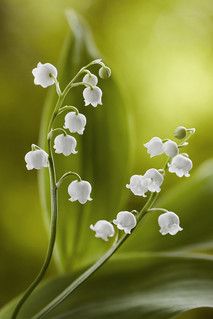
(61,140)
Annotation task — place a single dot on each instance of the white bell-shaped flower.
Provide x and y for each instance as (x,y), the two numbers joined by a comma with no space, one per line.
(103,229)
(170,148)
(91,79)
(180,165)
(75,123)
(80,191)
(65,144)
(154,146)
(156,180)
(44,74)
(169,223)
(92,96)
(125,221)
(139,185)
(36,159)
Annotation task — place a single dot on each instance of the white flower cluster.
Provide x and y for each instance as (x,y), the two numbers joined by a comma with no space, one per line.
(125,221)
(180,164)
(151,181)
(45,75)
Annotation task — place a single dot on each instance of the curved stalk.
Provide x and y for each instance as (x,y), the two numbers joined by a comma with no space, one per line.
(53,187)
(53,227)
(76,283)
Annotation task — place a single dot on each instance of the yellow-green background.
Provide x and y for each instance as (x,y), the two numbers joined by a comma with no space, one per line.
(161,55)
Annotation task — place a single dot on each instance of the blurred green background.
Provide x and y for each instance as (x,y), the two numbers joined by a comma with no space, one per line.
(160,53)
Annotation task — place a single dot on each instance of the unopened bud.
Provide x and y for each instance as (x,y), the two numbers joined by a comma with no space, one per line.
(104,72)
(180,132)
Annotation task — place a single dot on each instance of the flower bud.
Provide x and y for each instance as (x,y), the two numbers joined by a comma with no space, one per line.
(125,221)
(169,223)
(180,132)
(104,72)
(103,229)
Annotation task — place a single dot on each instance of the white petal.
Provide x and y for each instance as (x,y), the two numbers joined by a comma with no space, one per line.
(92,96)
(103,229)
(65,144)
(154,146)
(36,159)
(125,221)
(138,185)
(44,73)
(156,179)
(80,191)
(170,148)
(90,79)
(180,165)
(169,223)
(75,122)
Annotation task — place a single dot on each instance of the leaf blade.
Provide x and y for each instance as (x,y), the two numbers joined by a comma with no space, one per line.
(131,286)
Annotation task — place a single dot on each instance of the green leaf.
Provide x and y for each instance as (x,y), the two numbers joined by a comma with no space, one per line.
(156,286)
(102,157)
(192,200)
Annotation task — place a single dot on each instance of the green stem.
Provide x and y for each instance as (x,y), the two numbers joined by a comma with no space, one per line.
(57,129)
(53,190)
(63,177)
(68,108)
(54,214)
(163,210)
(69,86)
(65,293)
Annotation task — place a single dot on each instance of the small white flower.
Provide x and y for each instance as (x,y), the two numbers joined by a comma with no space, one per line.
(36,159)
(75,122)
(92,96)
(44,74)
(169,223)
(154,146)
(103,229)
(156,180)
(125,221)
(65,144)
(91,79)
(170,148)
(180,165)
(139,185)
(80,191)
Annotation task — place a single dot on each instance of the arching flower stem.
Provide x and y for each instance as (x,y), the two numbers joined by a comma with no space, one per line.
(53,227)
(158,210)
(63,177)
(57,129)
(69,86)
(76,283)
(119,241)
(68,108)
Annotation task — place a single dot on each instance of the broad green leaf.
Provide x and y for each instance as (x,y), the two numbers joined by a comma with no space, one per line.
(192,200)
(102,157)
(144,286)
